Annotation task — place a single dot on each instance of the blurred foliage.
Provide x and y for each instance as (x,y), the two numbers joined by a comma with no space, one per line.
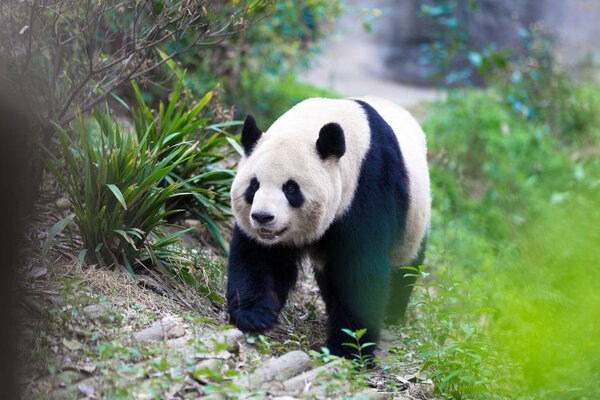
(256,68)
(515,190)
(540,89)
(449,41)
(515,222)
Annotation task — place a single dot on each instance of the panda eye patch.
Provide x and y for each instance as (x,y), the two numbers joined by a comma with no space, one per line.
(251,190)
(292,192)
(290,187)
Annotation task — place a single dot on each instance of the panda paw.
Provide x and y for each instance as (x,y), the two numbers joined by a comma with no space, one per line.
(257,317)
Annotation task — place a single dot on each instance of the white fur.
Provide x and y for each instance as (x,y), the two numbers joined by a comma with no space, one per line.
(287,150)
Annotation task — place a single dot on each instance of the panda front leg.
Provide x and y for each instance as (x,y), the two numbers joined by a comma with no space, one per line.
(354,302)
(259,280)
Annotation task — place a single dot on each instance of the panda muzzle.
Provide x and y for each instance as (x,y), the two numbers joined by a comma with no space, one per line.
(269,234)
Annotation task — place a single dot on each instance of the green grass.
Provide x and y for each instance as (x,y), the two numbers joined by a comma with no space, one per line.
(509,305)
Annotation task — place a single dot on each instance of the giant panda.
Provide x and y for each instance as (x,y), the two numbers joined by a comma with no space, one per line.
(345,183)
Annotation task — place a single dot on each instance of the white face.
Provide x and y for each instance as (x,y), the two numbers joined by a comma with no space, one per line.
(285,194)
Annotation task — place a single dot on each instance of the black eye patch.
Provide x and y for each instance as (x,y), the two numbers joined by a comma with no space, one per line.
(293,194)
(251,190)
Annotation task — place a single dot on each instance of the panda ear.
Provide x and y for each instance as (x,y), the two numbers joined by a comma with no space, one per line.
(331,141)
(250,134)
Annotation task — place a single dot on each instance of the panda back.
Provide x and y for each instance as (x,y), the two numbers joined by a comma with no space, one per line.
(411,140)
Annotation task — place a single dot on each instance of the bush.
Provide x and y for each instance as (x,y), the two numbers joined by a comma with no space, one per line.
(205,182)
(113,182)
(540,89)
(282,37)
(514,220)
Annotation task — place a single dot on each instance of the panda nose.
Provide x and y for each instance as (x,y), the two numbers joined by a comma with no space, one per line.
(262,217)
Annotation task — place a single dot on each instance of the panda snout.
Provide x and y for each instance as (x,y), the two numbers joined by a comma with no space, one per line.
(262,217)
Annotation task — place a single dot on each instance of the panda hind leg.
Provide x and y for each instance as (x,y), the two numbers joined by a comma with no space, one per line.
(401,289)
(345,310)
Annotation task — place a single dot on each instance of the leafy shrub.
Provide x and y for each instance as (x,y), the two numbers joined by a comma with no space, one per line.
(282,37)
(205,182)
(513,213)
(113,182)
(457,357)
(539,88)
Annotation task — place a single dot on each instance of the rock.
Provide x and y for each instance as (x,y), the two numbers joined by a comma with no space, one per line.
(63,203)
(232,337)
(191,223)
(37,272)
(211,363)
(95,310)
(157,331)
(306,379)
(177,332)
(280,369)
(372,394)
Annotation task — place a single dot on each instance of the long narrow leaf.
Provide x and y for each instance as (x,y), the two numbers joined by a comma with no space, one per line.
(117,194)
(56,229)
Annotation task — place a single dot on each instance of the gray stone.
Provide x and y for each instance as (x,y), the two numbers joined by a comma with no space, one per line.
(157,331)
(95,310)
(278,369)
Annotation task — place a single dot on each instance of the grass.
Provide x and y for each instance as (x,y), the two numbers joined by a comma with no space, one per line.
(508,306)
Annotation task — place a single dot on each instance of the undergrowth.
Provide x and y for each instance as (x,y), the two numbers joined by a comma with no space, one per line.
(507,301)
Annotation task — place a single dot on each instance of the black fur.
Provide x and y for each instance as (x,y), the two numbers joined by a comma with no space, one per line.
(331,141)
(355,280)
(259,280)
(250,134)
(251,190)
(293,194)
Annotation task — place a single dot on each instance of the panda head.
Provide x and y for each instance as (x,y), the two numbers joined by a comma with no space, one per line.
(288,185)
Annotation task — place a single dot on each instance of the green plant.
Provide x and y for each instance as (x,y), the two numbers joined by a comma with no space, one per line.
(451,316)
(206,183)
(113,182)
(449,40)
(541,89)
(363,361)
(281,38)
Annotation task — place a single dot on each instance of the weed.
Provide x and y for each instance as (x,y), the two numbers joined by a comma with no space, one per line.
(362,361)
(451,316)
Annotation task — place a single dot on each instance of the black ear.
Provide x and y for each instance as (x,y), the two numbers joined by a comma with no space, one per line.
(331,141)
(250,134)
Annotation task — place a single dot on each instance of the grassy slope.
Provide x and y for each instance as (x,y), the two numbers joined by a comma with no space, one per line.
(515,211)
